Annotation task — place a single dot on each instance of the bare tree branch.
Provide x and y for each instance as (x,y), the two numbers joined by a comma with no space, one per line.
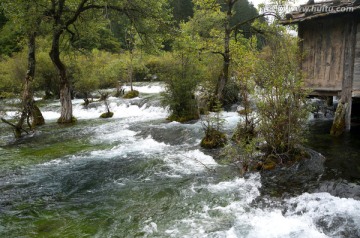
(253,19)
(14,126)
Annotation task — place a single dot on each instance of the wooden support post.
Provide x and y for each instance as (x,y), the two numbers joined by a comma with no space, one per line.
(342,120)
(329,101)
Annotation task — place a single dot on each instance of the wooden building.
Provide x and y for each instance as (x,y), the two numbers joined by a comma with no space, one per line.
(330,41)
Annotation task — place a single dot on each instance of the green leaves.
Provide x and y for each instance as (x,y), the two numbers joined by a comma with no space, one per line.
(12,71)
(281,101)
(205,28)
(181,75)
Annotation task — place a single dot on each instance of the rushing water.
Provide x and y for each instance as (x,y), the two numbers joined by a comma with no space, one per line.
(136,175)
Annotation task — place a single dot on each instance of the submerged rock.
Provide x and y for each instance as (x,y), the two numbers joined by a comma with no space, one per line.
(295,179)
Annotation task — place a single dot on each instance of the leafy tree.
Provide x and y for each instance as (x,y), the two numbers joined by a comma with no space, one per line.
(214,27)
(243,11)
(65,13)
(10,36)
(130,44)
(282,107)
(182,10)
(92,31)
(245,59)
(27,13)
(181,77)
(3,19)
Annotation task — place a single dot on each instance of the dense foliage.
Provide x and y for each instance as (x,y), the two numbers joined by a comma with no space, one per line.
(281,99)
(181,77)
(205,51)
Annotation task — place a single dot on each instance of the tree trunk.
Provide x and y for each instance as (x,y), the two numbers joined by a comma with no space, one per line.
(131,73)
(29,109)
(342,120)
(66,115)
(224,76)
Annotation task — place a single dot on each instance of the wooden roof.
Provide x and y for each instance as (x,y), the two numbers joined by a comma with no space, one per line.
(313,10)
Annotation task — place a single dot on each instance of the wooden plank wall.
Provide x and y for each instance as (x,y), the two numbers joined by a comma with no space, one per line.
(356,82)
(323,47)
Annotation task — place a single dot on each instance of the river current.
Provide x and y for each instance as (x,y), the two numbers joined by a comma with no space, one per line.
(137,175)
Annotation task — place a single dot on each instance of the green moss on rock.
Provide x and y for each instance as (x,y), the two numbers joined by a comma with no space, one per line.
(107,115)
(182,119)
(131,94)
(61,121)
(269,164)
(213,139)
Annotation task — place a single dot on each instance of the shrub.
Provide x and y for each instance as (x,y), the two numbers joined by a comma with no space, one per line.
(213,139)
(156,64)
(140,71)
(212,126)
(12,73)
(86,78)
(180,75)
(281,104)
(108,113)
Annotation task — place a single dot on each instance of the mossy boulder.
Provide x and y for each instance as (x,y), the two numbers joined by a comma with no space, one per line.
(271,161)
(131,94)
(264,164)
(213,139)
(107,115)
(269,164)
(184,118)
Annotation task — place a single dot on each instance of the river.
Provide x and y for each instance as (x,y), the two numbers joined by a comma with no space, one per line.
(137,175)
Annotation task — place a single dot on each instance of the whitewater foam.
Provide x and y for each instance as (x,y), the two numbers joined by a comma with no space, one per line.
(50,115)
(147,89)
(315,215)
(188,162)
(338,217)
(121,110)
